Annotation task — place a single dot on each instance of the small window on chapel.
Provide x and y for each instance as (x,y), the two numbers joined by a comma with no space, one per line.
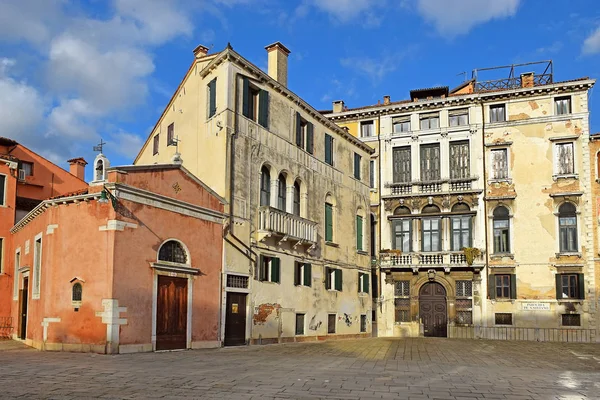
(76,294)
(172,251)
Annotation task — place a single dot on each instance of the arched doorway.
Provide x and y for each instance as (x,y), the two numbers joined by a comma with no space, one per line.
(433,309)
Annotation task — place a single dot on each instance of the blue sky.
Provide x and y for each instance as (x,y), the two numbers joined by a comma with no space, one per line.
(72,72)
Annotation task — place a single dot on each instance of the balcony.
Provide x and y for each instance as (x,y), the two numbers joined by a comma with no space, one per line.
(416,188)
(446,260)
(286,227)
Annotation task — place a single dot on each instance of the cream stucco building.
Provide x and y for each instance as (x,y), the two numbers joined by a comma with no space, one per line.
(296,263)
(500,166)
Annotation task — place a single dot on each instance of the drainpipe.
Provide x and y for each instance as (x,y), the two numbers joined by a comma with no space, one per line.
(485,209)
(379,220)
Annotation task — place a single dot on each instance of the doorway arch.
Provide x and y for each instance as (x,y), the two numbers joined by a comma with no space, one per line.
(433,309)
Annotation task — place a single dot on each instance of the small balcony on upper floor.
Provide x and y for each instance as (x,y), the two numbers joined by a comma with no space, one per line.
(458,185)
(447,260)
(284,226)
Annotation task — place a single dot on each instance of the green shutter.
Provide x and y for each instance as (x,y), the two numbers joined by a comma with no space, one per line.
(328,278)
(581,286)
(212,103)
(513,286)
(338,280)
(299,130)
(260,271)
(263,108)
(328,222)
(558,278)
(357,166)
(328,149)
(275,270)
(492,286)
(296,273)
(360,284)
(366,283)
(307,274)
(310,138)
(246,98)
(359,233)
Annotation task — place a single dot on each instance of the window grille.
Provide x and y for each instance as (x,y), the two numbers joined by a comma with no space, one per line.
(464,288)
(402,288)
(402,310)
(172,251)
(503,318)
(571,320)
(237,281)
(464,317)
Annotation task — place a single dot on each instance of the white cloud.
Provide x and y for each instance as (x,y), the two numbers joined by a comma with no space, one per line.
(456,17)
(29,20)
(126,144)
(555,47)
(375,69)
(591,44)
(343,10)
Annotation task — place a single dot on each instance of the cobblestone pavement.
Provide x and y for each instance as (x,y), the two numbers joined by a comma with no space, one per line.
(351,369)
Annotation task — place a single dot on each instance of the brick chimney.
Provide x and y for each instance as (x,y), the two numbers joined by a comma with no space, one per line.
(338,106)
(278,62)
(77,167)
(200,51)
(527,79)
(386,100)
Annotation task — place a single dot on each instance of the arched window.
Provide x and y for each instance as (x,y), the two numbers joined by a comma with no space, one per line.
(460,228)
(567,224)
(172,251)
(431,229)
(77,292)
(501,230)
(296,198)
(402,210)
(281,186)
(265,186)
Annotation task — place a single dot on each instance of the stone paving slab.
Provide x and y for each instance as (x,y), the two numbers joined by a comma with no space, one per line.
(378,368)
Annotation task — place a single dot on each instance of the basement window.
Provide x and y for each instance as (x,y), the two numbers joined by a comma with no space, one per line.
(571,320)
(503,318)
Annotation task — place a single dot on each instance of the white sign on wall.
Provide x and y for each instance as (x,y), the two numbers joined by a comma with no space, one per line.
(531,306)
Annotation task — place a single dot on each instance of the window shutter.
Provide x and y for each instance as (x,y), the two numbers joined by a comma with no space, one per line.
(296,273)
(327,278)
(360,284)
(309,138)
(328,143)
(275,269)
(366,283)
(581,286)
(212,104)
(260,269)
(359,232)
(338,280)
(328,223)
(298,130)
(245,98)
(263,108)
(558,286)
(356,166)
(307,274)
(513,286)
(492,287)
(2,187)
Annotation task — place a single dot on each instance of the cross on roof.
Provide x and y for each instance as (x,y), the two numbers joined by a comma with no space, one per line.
(100,145)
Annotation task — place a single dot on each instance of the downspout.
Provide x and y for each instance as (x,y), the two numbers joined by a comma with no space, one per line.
(379,220)
(485,209)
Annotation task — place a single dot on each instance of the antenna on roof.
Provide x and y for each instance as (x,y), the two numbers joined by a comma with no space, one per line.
(464,74)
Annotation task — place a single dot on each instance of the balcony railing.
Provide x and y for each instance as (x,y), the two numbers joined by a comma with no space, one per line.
(431,187)
(272,221)
(424,259)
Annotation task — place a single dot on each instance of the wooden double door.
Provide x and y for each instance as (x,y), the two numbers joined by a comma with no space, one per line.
(171,313)
(433,309)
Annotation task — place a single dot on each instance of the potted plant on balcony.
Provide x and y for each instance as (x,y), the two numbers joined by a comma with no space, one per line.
(471,253)
(392,252)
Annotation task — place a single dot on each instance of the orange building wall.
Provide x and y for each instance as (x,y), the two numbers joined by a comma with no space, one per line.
(7,218)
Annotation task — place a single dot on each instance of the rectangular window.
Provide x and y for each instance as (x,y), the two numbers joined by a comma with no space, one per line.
(26,167)
(464,302)
(402,234)
(429,121)
(299,324)
(304,134)
(1,255)
(269,269)
(367,129)
(570,287)
(401,168)
(431,230)
(498,113)
(333,279)
(156,142)
(461,232)
(357,159)
(459,160)
(430,162)
(328,222)
(402,301)
(359,233)
(571,320)
(171,134)
(212,98)
(401,124)
(501,235)
(499,159)
(331,319)
(237,281)
(464,288)
(16,278)
(564,158)
(363,323)
(363,283)
(372,174)
(329,149)
(2,190)
(562,105)
(302,274)
(458,117)
(255,103)
(503,319)
(37,268)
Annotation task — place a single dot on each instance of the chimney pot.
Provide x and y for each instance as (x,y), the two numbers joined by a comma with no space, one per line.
(338,106)
(200,51)
(278,62)
(77,167)
(386,100)
(527,79)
